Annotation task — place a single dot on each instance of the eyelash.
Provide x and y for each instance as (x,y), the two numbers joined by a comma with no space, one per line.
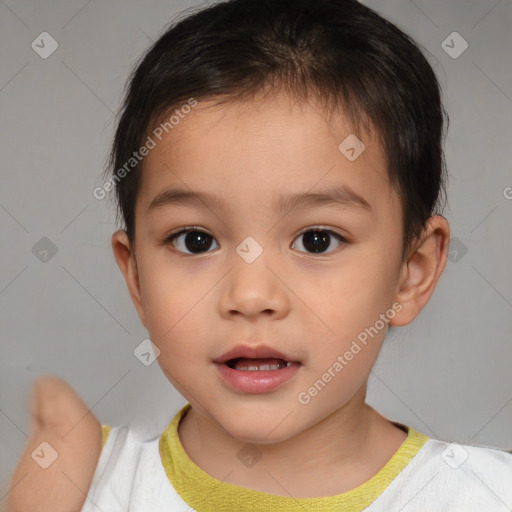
(170,238)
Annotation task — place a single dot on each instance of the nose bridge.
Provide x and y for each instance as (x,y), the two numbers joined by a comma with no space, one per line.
(252,287)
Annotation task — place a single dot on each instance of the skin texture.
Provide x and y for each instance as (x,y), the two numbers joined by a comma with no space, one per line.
(61,419)
(309,306)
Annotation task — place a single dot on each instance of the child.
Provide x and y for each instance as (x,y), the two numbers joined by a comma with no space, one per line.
(279,171)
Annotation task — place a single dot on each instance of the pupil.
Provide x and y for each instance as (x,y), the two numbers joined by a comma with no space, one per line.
(194,242)
(316,241)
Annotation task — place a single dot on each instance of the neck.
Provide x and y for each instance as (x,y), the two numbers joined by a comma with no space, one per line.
(338,453)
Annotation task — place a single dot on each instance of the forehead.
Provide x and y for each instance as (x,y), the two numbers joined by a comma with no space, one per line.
(251,153)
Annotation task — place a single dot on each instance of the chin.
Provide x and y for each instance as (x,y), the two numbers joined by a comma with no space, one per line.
(256,428)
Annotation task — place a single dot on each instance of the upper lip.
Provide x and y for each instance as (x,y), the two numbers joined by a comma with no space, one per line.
(250,351)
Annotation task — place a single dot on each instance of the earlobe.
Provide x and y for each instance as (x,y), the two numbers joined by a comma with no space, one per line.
(125,257)
(421,272)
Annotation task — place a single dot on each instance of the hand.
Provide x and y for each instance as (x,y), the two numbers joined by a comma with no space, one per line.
(60,418)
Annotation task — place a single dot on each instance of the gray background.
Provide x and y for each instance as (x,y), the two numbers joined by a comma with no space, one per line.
(447,375)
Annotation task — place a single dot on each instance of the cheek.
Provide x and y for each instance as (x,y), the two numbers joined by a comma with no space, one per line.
(351,302)
(348,297)
(173,305)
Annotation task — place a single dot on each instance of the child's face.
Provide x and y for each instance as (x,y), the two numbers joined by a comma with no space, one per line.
(309,306)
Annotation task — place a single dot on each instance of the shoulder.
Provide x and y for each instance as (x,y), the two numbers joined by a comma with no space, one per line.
(130,475)
(472,457)
(121,452)
(125,450)
(457,476)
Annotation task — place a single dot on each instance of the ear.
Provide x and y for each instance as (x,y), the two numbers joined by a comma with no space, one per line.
(420,273)
(125,257)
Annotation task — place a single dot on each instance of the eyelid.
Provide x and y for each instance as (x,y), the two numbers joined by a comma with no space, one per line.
(316,227)
(320,227)
(342,240)
(168,239)
(185,228)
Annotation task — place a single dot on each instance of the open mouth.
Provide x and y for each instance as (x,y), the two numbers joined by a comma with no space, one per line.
(253,370)
(257,364)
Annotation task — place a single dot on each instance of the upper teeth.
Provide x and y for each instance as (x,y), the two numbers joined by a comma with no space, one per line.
(241,366)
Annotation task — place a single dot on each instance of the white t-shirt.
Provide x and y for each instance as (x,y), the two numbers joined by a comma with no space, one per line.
(441,477)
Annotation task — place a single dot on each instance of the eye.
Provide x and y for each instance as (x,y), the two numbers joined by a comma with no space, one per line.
(317,240)
(195,240)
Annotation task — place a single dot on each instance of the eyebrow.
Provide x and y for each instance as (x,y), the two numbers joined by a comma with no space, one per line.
(341,197)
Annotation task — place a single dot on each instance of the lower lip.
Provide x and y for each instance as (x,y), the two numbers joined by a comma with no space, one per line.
(257,381)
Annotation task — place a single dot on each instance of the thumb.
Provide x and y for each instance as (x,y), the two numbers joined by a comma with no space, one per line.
(56,469)
(55,405)
(35,402)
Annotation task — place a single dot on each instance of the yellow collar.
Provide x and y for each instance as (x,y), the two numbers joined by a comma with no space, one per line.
(205,493)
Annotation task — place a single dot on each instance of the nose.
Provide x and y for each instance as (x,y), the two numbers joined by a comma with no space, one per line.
(252,290)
